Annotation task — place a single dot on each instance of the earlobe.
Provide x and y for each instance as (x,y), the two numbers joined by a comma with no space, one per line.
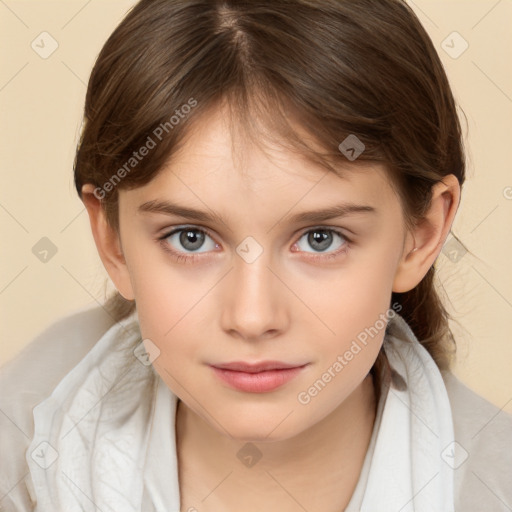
(425,242)
(108,243)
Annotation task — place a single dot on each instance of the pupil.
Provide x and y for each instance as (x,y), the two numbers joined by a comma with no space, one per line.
(320,237)
(191,240)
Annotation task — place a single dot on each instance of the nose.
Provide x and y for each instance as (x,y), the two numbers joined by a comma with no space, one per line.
(255,301)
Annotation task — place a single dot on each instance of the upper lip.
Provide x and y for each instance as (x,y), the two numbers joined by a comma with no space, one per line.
(242,366)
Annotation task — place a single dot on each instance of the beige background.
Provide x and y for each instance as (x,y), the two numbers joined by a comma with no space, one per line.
(41,103)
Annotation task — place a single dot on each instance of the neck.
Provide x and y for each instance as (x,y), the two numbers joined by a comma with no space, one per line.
(326,458)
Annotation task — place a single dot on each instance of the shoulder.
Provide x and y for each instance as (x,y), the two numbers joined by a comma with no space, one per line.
(29,378)
(483,451)
(40,366)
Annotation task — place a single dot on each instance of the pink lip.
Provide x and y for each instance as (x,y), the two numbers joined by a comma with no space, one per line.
(257,377)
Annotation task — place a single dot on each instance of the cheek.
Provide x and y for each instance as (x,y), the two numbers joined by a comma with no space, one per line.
(172,308)
(171,321)
(165,294)
(354,306)
(357,310)
(356,294)
(166,305)
(168,309)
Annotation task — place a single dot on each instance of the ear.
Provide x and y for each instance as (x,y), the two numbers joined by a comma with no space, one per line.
(424,243)
(108,243)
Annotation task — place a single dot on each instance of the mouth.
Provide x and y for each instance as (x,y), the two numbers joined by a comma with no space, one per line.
(257,377)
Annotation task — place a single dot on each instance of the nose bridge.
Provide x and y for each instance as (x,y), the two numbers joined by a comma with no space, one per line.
(254,306)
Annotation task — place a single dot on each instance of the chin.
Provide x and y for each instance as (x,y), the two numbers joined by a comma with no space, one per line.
(260,426)
(257,434)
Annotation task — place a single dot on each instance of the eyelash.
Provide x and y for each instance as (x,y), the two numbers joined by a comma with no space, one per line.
(192,258)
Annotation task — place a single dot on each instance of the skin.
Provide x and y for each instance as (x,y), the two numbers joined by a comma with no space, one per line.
(285,305)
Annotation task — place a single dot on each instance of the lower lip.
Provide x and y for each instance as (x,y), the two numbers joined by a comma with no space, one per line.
(260,382)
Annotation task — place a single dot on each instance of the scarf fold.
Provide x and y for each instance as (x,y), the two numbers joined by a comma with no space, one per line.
(104,439)
(410,468)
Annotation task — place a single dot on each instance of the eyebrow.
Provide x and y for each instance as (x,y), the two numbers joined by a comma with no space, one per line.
(169,208)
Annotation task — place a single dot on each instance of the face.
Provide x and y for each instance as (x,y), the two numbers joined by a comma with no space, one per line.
(260,281)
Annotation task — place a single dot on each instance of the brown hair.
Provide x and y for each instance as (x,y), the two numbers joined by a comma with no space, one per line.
(339,67)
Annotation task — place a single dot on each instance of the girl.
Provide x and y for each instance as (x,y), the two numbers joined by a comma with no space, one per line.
(269,184)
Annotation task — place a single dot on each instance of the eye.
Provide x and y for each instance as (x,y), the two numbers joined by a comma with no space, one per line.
(185,244)
(181,240)
(321,239)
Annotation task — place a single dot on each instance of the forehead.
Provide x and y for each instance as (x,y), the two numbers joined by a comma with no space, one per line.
(218,164)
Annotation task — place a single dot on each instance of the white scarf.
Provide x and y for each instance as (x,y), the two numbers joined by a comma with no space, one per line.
(104,439)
